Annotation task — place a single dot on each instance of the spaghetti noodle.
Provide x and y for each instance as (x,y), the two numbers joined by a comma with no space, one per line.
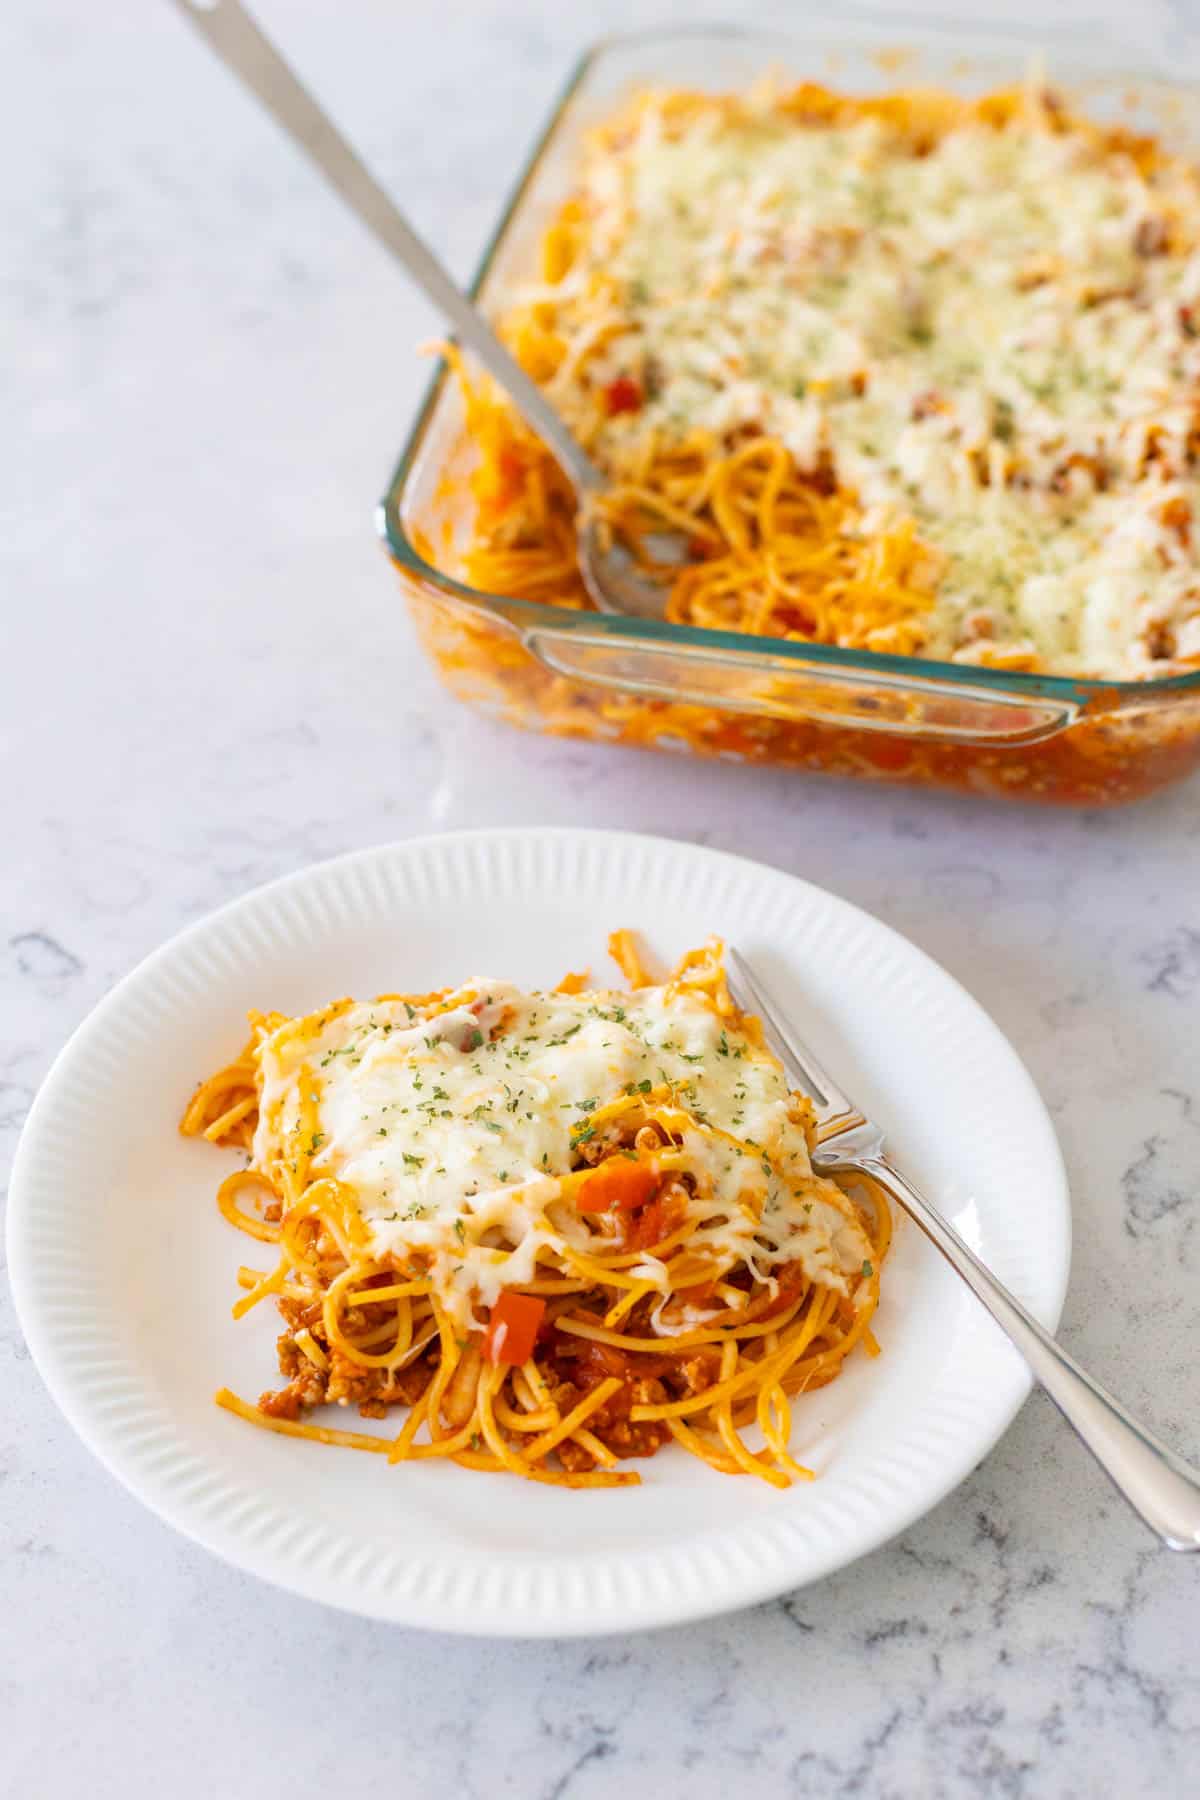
(559,1229)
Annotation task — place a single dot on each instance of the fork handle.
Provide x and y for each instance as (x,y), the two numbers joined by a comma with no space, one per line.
(1157,1484)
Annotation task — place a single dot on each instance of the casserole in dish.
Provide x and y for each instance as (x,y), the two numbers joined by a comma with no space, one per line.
(843,707)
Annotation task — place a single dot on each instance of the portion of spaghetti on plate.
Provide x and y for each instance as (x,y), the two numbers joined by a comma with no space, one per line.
(912,373)
(559,1229)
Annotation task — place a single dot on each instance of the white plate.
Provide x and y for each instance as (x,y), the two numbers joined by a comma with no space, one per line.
(123,1270)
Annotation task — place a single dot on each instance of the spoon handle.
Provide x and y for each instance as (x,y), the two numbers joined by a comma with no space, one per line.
(233,35)
(1157,1484)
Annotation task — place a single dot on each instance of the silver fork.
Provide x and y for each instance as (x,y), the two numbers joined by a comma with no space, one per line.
(1157,1484)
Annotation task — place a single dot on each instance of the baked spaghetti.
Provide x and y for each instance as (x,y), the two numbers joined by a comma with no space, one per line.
(912,373)
(557,1229)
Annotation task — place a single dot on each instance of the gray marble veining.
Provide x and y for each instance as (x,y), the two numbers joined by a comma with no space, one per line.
(208,681)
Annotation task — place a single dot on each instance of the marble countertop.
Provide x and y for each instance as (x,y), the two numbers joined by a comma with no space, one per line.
(208,681)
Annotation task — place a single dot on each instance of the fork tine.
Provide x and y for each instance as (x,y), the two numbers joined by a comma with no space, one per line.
(802,1068)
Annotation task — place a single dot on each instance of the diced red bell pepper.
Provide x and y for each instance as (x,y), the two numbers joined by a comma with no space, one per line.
(513,1327)
(618,1184)
(623,395)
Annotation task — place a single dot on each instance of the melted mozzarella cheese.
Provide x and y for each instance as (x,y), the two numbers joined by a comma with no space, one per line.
(994,337)
(452,1129)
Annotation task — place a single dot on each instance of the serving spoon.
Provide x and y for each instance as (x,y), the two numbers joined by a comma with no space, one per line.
(608,571)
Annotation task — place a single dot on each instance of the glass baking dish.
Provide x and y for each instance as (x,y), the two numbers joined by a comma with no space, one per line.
(814,707)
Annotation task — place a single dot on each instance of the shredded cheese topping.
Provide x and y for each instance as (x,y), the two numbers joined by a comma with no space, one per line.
(455,1123)
(981,321)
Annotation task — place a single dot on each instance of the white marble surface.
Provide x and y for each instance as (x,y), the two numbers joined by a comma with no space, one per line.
(207,680)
